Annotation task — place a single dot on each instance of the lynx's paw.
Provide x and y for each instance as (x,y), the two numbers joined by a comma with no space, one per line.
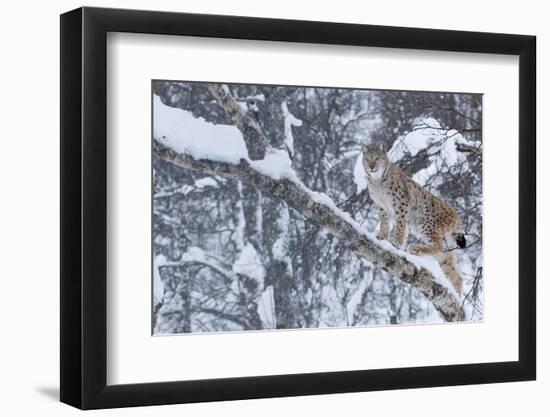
(381,236)
(414,249)
(424,250)
(396,243)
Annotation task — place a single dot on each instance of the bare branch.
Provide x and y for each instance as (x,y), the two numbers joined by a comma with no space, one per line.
(468,148)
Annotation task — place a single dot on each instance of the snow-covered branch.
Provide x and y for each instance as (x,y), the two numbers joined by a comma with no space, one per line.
(242,153)
(253,135)
(320,210)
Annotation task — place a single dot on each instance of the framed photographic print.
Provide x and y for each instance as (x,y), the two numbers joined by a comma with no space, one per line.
(256,208)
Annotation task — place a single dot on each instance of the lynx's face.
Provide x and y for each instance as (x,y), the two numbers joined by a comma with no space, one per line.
(375,160)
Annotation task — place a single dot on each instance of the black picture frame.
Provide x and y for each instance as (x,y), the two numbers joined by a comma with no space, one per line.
(84,207)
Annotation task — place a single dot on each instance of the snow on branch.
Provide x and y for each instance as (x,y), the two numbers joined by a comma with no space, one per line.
(336,222)
(275,175)
(289,121)
(253,135)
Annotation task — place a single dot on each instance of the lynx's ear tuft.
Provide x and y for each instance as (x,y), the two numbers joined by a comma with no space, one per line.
(384,147)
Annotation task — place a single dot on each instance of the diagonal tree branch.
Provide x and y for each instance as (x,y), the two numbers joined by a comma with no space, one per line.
(338,223)
(317,208)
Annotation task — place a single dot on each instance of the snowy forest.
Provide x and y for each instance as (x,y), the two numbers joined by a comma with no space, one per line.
(262,217)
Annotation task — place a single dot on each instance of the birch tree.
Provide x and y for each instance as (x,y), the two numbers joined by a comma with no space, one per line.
(265,134)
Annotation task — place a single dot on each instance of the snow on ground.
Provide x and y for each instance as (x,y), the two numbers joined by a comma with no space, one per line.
(182,132)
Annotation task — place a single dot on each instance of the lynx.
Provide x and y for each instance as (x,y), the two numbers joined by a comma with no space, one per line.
(409,207)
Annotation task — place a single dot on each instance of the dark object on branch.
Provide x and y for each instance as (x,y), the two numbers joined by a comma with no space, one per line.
(461,241)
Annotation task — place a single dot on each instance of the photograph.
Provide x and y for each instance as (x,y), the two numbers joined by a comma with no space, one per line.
(299,207)
(247,208)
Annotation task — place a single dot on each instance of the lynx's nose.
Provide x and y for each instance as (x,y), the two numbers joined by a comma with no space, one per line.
(372,164)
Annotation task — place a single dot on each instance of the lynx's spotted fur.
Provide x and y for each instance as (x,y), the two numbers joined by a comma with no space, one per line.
(409,207)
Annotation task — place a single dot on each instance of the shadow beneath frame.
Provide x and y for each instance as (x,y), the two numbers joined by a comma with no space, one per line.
(50,392)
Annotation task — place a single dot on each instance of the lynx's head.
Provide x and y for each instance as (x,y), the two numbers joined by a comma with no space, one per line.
(375,160)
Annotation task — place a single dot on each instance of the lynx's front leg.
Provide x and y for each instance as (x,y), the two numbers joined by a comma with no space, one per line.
(384,223)
(399,231)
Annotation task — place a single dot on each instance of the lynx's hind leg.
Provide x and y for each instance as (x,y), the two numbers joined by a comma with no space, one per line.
(447,260)
(434,247)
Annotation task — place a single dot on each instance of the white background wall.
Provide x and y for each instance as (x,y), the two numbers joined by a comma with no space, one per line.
(29,225)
